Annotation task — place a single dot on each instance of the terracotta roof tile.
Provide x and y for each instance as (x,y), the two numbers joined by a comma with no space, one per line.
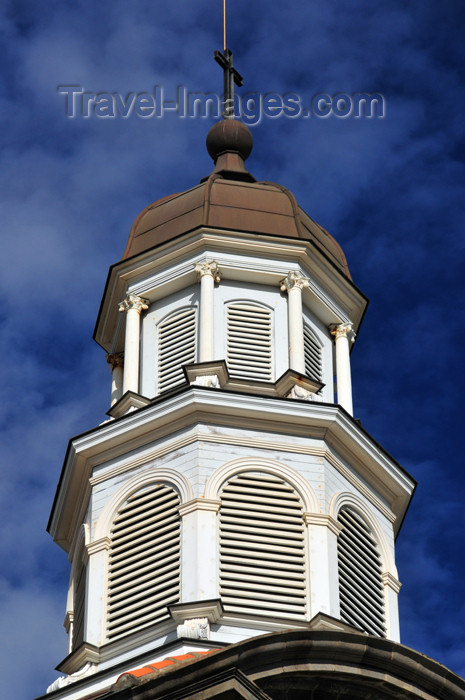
(173,661)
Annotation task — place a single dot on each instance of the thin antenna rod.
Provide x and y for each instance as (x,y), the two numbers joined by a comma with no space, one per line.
(230,74)
(224,25)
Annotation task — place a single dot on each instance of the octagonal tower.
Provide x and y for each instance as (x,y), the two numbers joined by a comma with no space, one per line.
(231,493)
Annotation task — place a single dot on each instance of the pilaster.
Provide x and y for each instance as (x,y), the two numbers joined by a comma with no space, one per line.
(392,587)
(199,551)
(97,568)
(322,533)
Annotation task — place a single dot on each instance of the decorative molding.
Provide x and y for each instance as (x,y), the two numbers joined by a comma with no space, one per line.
(78,662)
(360,486)
(115,359)
(294,280)
(169,476)
(209,267)
(298,392)
(253,442)
(158,271)
(293,477)
(322,621)
(133,302)
(343,330)
(101,545)
(323,520)
(211,374)
(212,610)
(391,581)
(68,621)
(146,458)
(316,421)
(291,381)
(195,628)
(204,504)
(130,401)
(345,498)
(63,681)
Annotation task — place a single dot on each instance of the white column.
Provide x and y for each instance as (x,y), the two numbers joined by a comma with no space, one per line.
(199,554)
(322,532)
(133,305)
(209,274)
(344,335)
(293,284)
(97,567)
(391,605)
(116,362)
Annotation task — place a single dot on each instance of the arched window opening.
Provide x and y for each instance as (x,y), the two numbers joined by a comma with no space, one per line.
(79,604)
(313,355)
(249,341)
(177,346)
(360,584)
(262,551)
(144,566)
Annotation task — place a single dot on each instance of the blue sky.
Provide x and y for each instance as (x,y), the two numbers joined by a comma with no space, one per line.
(390,190)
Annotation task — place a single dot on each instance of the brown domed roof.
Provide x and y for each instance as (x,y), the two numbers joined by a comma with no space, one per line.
(230,199)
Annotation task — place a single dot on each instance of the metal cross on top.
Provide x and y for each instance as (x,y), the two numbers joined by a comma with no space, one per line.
(230,74)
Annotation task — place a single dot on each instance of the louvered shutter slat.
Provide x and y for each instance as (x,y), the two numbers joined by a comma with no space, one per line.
(313,355)
(177,341)
(79,606)
(144,539)
(249,341)
(144,561)
(262,562)
(142,524)
(360,583)
(143,573)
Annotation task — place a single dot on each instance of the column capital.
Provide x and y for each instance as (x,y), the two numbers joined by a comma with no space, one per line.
(101,545)
(132,301)
(323,520)
(294,280)
(209,267)
(343,330)
(115,359)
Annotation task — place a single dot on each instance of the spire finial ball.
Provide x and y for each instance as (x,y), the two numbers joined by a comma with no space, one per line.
(229,136)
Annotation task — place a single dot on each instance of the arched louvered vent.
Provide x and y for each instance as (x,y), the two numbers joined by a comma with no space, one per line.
(360,584)
(249,348)
(262,553)
(177,336)
(144,560)
(313,357)
(79,605)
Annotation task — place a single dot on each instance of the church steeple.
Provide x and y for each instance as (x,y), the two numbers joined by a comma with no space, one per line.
(231,493)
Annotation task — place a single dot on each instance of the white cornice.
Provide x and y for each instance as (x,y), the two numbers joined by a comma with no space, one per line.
(265,259)
(197,405)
